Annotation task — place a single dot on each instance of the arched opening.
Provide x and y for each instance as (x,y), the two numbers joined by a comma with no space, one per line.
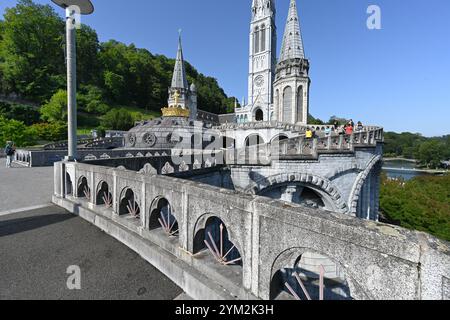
(287,105)
(128,205)
(297,193)
(254,140)
(214,237)
(104,197)
(228,143)
(256,40)
(69,185)
(83,190)
(300,104)
(311,276)
(263,38)
(259,115)
(161,216)
(279,138)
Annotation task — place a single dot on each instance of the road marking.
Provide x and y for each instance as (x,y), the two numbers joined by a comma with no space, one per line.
(16,211)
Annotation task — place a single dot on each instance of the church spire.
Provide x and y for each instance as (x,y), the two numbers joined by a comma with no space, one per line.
(292,47)
(179,79)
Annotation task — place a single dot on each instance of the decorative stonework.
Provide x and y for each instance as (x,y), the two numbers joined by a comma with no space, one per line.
(197,165)
(148,169)
(183,167)
(132,139)
(167,169)
(150,139)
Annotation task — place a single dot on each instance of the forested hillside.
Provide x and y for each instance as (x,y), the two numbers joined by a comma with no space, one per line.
(111,75)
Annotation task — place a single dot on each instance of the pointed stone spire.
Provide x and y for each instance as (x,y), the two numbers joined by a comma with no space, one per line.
(179,79)
(292,47)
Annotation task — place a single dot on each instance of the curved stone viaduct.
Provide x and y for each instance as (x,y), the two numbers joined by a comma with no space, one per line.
(379,261)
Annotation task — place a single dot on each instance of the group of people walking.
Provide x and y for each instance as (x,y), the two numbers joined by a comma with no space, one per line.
(10,151)
(348,129)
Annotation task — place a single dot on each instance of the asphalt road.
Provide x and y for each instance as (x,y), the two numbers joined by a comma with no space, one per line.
(22,187)
(37,247)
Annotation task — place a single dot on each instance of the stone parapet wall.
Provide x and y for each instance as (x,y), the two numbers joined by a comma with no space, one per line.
(379,261)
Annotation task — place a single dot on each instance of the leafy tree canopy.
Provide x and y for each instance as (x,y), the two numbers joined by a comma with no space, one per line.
(32,65)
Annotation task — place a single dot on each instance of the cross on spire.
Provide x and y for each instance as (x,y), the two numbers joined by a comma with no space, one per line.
(292,47)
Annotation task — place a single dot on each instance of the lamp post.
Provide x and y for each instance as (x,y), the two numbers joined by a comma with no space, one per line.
(73,8)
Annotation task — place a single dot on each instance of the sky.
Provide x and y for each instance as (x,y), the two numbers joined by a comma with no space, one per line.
(397,77)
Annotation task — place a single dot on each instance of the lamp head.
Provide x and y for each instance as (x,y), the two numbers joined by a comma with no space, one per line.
(86,6)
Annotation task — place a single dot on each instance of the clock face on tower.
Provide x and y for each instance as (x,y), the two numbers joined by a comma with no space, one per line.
(259,81)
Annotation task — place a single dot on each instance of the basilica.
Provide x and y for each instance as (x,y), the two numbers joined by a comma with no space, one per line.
(278,88)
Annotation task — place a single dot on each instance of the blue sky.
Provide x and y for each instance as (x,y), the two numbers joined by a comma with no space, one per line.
(397,77)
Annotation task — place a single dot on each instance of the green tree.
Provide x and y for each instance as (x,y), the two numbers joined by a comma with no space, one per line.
(88,66)
(55,110)
(118,119)
(16,131)
(431,153)
(31,48)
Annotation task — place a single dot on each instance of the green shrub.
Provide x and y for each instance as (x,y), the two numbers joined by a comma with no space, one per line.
(49,131)
(118,119)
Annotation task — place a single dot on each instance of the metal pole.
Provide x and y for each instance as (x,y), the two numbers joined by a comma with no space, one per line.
(71,84)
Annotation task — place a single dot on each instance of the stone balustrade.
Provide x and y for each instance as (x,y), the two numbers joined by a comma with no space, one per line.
(378,261)
(302,147)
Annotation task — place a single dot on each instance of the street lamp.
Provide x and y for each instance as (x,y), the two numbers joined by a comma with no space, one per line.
(73,9)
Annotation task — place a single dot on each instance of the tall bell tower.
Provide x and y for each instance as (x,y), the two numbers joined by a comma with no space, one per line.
(262,62)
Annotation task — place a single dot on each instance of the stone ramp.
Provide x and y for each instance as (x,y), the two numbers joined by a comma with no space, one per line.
(37,247)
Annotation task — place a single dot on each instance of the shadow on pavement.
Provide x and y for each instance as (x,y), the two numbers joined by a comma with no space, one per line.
(16,226)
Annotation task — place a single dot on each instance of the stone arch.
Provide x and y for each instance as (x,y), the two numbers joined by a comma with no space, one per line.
(103,193)
(229,246)
(351,167)
(83,190)
(128,200)
(200,226)
(69,184)
(359,183)
(279,138)
(321,185)
(254,140)
(292,260)
(161,206)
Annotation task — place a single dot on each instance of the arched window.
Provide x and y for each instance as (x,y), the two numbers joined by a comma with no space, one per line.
(300,104)
(256,40)
(277,102)
(259,115)
(263,38)
(287,105)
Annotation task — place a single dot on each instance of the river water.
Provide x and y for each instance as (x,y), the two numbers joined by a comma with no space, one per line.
(401,169)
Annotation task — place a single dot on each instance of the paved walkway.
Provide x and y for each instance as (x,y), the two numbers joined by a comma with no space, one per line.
(37,247)
(24,187)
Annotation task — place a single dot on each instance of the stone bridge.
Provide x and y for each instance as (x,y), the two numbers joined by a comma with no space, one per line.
(267,237)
